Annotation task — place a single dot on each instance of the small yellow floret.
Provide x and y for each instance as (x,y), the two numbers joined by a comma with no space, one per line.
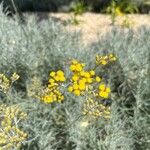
(92,72)
(51,80)
(103,62)
(72,67)
(70,88)
(89,80)
(102,87)
(108,90)
(82,86)
(62,78)
(75,78)
(78,67)
(103,94)
(52,74)
(87,75)
(75,86)
(77,92)
(98,79)
(60,73)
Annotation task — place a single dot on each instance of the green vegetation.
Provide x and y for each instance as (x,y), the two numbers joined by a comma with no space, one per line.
(77,9)
(120,8)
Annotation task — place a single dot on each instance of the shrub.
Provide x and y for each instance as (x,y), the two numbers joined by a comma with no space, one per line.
(34,50)
(128,78)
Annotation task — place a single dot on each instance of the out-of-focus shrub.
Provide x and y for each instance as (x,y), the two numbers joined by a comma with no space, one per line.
(66,5)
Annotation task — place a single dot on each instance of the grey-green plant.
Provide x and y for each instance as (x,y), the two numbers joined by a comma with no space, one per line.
(35,49)
(132,97)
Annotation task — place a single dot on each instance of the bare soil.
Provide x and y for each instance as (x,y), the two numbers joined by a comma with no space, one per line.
(91,24)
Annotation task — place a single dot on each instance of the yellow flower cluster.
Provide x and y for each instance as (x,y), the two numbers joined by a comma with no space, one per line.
(104,60)
(104,91)
(11,137)
(52,92)
(5,83)
(93,108)
(81,78)
(14,77)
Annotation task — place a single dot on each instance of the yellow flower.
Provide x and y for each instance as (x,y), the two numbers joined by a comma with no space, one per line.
(103,94)
(104,91)
(108,90)
(87,75)
(52,74)
(62,97)
(107,112)
(78,67)
(82,73)
(75,86)
(10,115)
(62,78)
(70,88)
(60,73)
(54,98)
(83,80)
(52,85)
(92,72)
(103,62)
(82,86)
(89,80)
(47,99)
(98,79)
(83,65)
(112,57)
(77,92)
(102,87)
(75,78)
(15,77)
(59,76)
(56,78)
(72,67)
(51,80)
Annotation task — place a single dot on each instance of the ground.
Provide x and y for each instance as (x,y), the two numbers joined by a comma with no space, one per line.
(92,24)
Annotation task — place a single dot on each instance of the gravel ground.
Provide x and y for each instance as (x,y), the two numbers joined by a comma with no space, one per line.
(92,24)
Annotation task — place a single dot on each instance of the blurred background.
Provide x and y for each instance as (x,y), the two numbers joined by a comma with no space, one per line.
(90,16)
(98,6)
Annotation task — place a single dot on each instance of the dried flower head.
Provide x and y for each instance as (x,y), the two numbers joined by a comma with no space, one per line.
(11,136)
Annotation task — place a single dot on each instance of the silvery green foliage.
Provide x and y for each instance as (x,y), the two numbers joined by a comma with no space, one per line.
(33,49)
(142,113)
(129,126)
